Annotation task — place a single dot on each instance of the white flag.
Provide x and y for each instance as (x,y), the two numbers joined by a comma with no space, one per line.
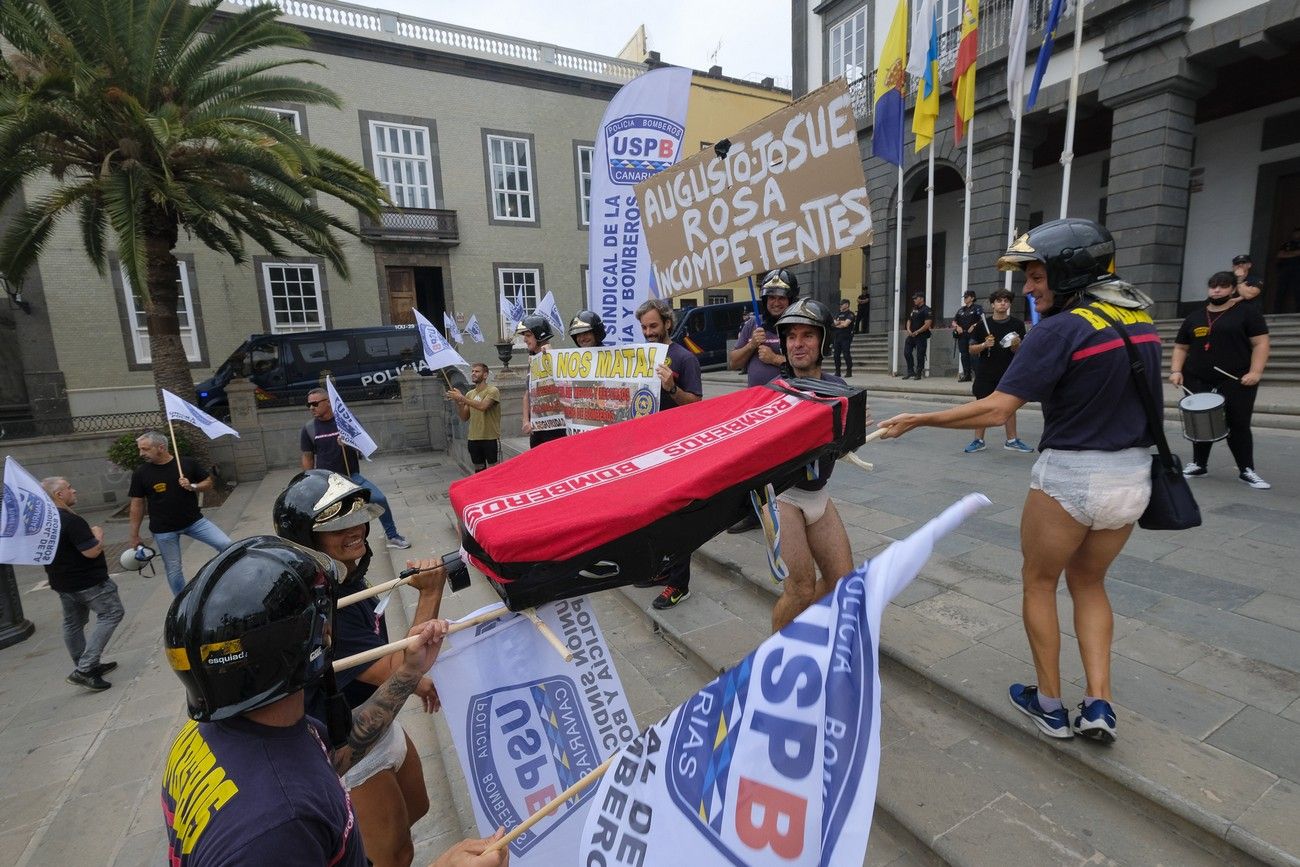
(472,329)
(774,762)
(922,23)
(180,410)
(29,520)
(438,353)
(512,312)
(351,433)
(1017,44)
(548,308)
(527,724)
(452,331)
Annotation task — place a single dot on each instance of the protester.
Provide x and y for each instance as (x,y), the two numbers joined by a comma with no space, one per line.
(481,407)
(758,349)
(587,329)
(1223,347)
(963,321)
(79,574)
(1093,479)
(919,322)
(1288,271)
(171,487)
(679,384)
(1248,286)
(326,512)
(249,779)
(536,333)
(322,450)
(996,340)
(842,328)
(863,323)
(813,538)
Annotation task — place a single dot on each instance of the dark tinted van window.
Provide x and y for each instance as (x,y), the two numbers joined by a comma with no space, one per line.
(398,347)
(323,351)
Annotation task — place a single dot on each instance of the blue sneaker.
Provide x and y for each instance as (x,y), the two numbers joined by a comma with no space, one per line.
(975,446)
(1016,444)
(1054,724)
(1096,721)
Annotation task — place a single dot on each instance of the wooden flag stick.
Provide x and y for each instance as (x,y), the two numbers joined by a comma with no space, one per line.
(406,577)
(591,776)
(411,640)
(180,473)
(551,638)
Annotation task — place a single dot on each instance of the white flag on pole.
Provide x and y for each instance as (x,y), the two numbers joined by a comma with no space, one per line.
(29,520)
(438,353)
(527,724)
(1017,45)
(774,762)
(472,329)
(450,325)
(548,308)
(181,410)
(512,311)
(351,433)
(922,24)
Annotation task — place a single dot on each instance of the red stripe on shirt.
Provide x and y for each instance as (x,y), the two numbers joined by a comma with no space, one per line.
(1113,344)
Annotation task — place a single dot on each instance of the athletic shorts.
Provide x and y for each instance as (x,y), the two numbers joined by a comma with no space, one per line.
(482,452)
(811,503)
(387,754)
(1101,490)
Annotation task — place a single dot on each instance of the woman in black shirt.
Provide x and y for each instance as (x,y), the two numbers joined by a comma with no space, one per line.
(1224,347)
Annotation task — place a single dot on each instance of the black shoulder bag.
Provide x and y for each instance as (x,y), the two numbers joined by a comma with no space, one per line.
(1172,506)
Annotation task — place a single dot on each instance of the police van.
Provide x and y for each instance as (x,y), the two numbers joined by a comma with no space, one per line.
(711,330)
(284,367)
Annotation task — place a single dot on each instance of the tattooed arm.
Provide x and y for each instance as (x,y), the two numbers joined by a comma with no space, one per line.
(371,720)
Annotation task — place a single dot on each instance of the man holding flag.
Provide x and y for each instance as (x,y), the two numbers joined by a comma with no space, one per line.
(325,447)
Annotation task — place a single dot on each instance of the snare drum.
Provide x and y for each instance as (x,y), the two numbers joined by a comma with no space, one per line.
(1204,419)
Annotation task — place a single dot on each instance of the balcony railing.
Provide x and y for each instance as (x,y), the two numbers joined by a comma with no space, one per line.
(463,40)
(995,22)
(414,224)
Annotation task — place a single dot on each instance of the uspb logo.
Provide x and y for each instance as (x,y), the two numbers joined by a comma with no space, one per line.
(639,145)
(643,402)
(10,512)
(765,760)
(528,743)
(33,512)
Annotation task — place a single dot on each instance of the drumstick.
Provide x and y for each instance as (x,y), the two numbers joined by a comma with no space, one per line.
(551,806)
(1229,375)
(551,639)
(411,640)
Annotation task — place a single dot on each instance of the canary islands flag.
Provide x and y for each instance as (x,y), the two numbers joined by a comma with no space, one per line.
(927,96)
(887,126)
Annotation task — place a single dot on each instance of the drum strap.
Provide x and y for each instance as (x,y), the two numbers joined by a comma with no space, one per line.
(1138,371)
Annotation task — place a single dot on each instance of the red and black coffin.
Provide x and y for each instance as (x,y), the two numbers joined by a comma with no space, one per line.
(616,505)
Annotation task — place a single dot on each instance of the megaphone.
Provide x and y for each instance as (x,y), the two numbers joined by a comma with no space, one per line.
(134,559)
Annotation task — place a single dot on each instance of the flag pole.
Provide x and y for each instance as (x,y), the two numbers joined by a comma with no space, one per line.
(1067,152)
(551,806)
(180,472)
(1018,113)
(898,275)
(929,247)
(965,234)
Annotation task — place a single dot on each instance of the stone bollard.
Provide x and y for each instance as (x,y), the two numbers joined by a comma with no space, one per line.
(13,626)
(250,448)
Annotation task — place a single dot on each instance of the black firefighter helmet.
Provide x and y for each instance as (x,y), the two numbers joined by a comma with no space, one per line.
(806,311)
(780,281)
(539,325)
(250,628)
(1076,253)
(320,501)
(587,320)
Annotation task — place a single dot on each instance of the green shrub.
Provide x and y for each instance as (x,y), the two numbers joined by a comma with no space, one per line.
(125,453)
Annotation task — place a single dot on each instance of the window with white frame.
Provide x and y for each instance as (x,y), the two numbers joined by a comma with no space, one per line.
(403,163)
(510,167)
(522,285)
(949,14)
(140,320)
(585,155)
(293,297)
(289,116)
(848,46)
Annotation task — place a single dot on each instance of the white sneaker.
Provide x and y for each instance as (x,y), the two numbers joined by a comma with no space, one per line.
(1194,469)
(1252,478)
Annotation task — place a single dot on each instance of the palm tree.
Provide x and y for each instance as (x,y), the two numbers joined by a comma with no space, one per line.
(149,117)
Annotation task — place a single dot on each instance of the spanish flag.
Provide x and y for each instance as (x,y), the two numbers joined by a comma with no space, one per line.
(887,125)
(963,74)
(927,97)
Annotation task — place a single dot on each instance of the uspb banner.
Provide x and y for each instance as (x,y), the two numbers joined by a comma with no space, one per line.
(581,389)
(527,725)
(775,761)
(29,520)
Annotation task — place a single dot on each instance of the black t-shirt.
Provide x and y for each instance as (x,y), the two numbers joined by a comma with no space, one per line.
(686,374)
(321,438)
(356,629)
(1220,340)
(994,361)
(239,794)
(917,318)
(171,507)
(72,570)
(864,303)
(842,326)
(815,480)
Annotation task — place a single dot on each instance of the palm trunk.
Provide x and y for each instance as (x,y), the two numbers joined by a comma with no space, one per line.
(171,369)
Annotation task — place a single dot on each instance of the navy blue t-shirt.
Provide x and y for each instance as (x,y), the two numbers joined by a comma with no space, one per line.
(686,374)
(239,794)
(1076,365)
(356,629)
(816,480)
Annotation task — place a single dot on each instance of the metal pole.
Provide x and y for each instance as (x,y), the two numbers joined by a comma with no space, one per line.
(898,275)
(1018,112)
(965,234)
(1067,153)
(929,247)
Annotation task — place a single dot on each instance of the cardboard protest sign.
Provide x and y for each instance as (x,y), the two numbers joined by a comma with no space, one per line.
(581,389)
(790,190)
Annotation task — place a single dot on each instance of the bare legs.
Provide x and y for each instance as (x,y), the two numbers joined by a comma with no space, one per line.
(822,546)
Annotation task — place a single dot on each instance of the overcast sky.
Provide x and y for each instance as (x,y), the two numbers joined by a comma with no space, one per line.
(754,34)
